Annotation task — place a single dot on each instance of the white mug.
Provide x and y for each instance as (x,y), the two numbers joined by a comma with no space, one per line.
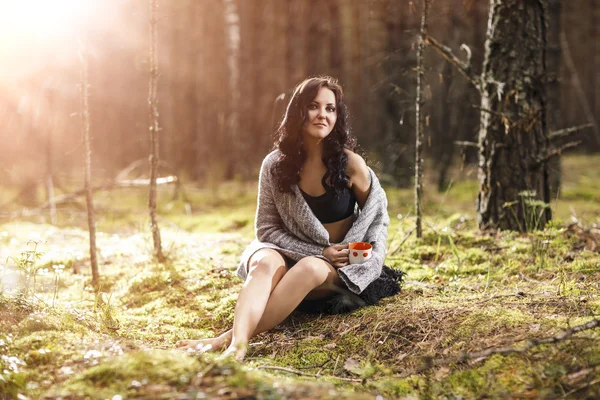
(359,252)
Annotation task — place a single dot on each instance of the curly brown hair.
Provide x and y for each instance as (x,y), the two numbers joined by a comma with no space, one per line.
(289,138)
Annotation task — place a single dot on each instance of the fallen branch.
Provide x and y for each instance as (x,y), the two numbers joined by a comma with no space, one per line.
(403,240)
(463,67)
(293,371)
(567,131)
(482,355)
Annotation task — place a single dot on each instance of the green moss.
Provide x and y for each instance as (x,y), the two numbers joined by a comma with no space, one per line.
(115,375)
(482,322)
(306,354)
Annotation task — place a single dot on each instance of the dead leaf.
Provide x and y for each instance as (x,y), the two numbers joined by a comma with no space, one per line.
(352,366)
(442,373)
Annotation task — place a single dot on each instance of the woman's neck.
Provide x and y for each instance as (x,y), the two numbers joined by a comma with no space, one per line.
(314,149)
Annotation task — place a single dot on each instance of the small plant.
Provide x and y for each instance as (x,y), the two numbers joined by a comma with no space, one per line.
(105,310)
(447,232)
(532,210)
(27,264)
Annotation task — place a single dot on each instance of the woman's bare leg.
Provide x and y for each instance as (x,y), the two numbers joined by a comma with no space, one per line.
(267,267)
(309,274)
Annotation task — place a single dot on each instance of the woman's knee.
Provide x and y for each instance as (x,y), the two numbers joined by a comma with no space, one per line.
(266,262)
(314,270)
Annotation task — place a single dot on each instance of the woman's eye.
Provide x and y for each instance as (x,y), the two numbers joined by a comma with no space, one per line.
(312,107)
(331,109)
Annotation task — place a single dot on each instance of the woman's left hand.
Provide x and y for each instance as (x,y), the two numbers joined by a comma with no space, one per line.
(337,255)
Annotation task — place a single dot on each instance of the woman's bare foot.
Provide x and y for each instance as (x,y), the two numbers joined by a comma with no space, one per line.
(237,351)
(204,345)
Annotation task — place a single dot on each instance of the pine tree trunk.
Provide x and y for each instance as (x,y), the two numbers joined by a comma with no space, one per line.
(85,119)
(513,136)
(153,104)
(554,112)
(420,118)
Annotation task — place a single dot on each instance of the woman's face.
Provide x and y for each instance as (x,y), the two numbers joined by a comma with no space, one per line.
(322,115)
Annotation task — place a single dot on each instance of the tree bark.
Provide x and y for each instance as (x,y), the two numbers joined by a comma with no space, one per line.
(554,111)
(154,128)
(513,136)
(420,118)
(85,119)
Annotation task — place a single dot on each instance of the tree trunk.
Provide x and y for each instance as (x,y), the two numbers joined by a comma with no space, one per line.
(420,119)
(513,137)
(153,105)
(85,119)
(232,27)
(554,111)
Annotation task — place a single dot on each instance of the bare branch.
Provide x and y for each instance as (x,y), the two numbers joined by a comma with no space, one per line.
(496,113)
(567,131)
(402,242)
(465,143)
(555,153)
(463,67)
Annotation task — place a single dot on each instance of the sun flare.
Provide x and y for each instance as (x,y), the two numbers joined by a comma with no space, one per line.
(38,18)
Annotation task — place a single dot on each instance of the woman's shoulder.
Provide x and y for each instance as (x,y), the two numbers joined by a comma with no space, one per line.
(356,165)
(271,158)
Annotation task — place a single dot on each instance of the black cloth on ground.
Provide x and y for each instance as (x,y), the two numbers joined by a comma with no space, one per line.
(388,284)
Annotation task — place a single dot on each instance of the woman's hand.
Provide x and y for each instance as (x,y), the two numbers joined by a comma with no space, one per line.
(337,255)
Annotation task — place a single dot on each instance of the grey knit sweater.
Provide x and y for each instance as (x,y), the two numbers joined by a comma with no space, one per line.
(285,222)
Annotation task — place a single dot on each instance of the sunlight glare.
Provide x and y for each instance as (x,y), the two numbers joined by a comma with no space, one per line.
(35,18)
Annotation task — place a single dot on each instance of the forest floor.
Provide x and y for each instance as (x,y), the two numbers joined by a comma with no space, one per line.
(480,315)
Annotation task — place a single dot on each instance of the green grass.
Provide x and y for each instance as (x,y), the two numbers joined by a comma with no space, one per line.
(466,291)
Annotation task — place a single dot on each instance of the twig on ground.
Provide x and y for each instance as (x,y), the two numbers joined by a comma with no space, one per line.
(293,371)
(587,385)
(519,294)
(482,355)
(403,240)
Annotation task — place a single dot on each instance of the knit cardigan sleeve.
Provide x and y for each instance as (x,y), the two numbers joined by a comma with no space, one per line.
(269,226)
(371,226)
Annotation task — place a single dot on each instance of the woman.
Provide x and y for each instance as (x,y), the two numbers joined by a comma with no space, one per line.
(306,216)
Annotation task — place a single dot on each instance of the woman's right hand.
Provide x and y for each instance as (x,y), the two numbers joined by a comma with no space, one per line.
(337,255)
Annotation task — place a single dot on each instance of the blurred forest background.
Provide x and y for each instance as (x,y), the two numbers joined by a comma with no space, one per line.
(227,68)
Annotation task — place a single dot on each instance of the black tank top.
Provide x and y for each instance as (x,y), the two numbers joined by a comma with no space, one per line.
(327,208)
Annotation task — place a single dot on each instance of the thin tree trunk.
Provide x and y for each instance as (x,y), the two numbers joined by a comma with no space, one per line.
(420,119)
(85,119)
(154,129)
(513,137)
(49,169)
(232,26)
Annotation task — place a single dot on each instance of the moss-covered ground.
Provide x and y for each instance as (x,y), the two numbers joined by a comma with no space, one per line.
(465,292)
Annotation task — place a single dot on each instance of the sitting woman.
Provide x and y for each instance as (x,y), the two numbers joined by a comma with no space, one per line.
(309,188)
